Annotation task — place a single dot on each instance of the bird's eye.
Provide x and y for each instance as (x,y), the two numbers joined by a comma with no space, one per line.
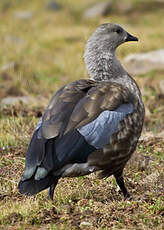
(118,31)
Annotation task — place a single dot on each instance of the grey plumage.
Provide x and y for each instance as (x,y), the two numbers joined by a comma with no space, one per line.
(89,125)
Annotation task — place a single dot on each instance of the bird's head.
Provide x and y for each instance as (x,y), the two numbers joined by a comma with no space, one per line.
(109,36)
(99,56)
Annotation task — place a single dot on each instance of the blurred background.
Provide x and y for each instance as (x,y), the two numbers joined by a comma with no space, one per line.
(41,48)
(43,41)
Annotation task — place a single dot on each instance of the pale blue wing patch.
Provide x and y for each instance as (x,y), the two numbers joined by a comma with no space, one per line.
(97,133)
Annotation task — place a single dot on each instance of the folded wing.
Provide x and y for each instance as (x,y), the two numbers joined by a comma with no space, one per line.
(79,119)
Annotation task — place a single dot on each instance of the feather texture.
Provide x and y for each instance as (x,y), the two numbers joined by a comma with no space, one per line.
(79,103)
(89,125)
(97,133)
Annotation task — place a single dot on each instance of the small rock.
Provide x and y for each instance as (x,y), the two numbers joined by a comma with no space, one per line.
(144,62)
(100,9)
(10,65)
(161,86)
(29,101)
(23,15)
(84,223)
(16,100)
(106,7)
(123,7)
(52,5)
(14,39)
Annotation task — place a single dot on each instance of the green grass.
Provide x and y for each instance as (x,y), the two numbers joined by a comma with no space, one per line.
(48,52)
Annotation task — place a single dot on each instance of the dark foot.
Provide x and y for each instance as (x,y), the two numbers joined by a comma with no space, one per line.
(52,188)
(121,184)
(51,192)
(127,196)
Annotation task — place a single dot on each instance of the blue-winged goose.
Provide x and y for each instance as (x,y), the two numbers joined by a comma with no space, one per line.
(89,125)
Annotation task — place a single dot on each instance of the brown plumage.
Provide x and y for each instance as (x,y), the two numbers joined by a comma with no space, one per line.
(79,103)
(89,125)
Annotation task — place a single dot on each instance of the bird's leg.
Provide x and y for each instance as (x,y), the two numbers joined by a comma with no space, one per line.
(51,190)
(121,184)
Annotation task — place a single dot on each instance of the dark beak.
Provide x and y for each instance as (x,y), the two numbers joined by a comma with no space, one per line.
(131,38)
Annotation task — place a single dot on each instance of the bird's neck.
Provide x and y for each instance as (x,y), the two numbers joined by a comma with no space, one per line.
(103,66)
(106,67)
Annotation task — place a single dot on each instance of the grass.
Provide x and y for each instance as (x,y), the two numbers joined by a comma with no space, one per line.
(47,52)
